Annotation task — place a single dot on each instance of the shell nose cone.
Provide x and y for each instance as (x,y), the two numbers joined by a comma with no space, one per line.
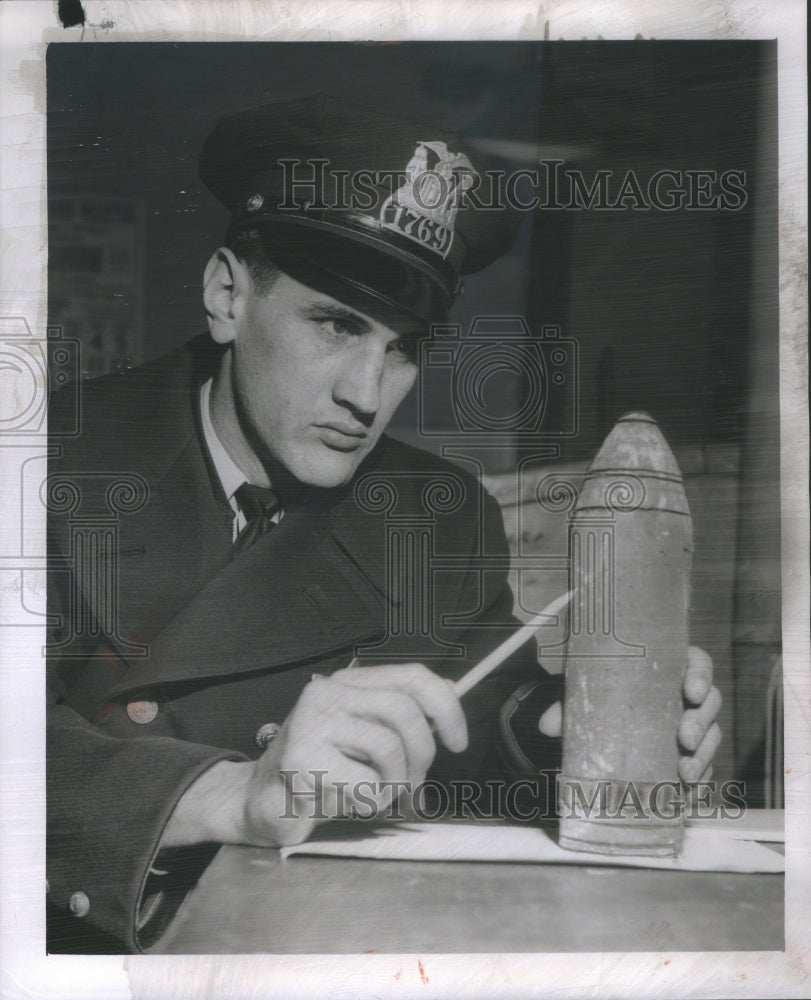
(636,443)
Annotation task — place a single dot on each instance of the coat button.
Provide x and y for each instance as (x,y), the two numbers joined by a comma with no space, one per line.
(79,904)
(266,734)
(142,712)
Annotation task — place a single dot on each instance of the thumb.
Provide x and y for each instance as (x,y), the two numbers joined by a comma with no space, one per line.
(551,722)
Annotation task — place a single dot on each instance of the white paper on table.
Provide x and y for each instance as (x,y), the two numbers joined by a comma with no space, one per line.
(756,824)
(705,849)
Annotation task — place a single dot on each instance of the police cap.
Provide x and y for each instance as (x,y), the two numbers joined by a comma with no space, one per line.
(367,207)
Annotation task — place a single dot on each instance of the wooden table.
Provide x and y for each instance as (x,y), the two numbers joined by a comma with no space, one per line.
(250,900)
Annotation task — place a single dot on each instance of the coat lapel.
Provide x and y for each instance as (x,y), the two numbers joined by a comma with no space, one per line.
(314,585)
(182,539)
(296,595)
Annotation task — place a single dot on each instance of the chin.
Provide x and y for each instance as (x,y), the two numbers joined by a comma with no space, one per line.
(327,471)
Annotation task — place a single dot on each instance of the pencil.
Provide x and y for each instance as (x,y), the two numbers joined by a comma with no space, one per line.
(509,646)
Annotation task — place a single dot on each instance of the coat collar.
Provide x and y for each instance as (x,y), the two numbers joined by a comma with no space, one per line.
(307,588)
(314,584)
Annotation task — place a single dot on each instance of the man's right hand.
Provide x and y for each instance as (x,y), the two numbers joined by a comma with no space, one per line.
(361,727)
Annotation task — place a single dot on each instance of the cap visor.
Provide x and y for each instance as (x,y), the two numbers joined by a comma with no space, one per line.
(373,280)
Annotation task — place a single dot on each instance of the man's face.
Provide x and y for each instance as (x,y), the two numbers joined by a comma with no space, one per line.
(315,382)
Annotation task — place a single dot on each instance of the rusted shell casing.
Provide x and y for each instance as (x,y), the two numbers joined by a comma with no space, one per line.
(630,546)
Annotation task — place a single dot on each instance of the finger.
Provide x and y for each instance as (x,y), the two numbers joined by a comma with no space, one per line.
(695,722)
(373,744)
(703,757)
(434,695)
(551,722)
(690,768)
(697,793)
(400,713)
(343,763)
(366,798)
(698,676)
(333,721)
(308,794)
(351,786)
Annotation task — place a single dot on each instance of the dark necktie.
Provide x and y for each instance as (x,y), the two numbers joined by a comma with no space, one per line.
(258,505)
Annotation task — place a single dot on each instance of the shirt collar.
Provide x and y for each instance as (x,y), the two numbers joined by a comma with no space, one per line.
(230,475)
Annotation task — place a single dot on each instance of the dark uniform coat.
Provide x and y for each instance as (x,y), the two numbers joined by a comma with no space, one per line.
(177,666)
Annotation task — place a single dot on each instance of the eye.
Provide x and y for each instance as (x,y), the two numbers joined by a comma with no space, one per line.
(341,326)
(338,327)
(404,349)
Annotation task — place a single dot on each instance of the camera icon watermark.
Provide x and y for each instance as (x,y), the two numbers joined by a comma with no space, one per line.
(30,364)
(30,367)
(500,381)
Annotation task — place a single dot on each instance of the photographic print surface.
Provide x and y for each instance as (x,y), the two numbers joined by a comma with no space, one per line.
(641,181)
(498,324)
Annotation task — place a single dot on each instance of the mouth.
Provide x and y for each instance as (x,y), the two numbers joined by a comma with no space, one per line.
(342,437)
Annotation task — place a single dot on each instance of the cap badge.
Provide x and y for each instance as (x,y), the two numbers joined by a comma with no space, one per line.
(424,208)
(255,202)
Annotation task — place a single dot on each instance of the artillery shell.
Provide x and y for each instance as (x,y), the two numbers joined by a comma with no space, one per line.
(630,550)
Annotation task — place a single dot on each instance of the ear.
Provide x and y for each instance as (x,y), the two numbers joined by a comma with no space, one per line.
(226,287)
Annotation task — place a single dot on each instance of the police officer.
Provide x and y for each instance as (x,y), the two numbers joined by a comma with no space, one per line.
(216,706)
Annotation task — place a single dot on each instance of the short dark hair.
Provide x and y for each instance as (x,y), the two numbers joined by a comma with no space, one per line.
(248,246)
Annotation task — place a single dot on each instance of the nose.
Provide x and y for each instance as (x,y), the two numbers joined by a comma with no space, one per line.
(358,385)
